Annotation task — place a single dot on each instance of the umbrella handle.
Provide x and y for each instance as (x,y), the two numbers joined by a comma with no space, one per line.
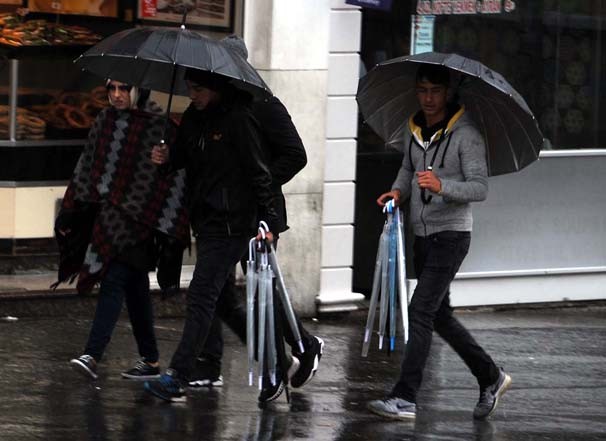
(263,225)
(389,207)
(251,249)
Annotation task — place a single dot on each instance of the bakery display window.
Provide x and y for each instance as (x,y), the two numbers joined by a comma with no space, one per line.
(44,97)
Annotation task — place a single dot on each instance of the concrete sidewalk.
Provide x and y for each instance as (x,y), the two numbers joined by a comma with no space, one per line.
(556,357)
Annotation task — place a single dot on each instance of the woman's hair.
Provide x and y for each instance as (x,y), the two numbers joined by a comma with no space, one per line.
(138,97)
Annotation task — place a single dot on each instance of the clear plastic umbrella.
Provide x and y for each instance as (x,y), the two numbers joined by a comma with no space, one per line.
(262,310)
(271,328)
(251,288)
(374,297)
(402,286)
(384,304)
(285,299)
(393,244)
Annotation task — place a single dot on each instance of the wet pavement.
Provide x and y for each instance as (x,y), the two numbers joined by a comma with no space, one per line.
(556,357)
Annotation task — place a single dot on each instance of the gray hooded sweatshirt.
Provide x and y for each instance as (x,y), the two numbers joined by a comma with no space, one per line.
(462,171)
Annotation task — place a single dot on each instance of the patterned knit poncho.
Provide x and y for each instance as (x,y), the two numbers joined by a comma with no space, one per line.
(132,196)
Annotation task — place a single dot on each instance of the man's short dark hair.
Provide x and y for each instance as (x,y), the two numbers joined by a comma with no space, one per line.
(434,73)
(206,79)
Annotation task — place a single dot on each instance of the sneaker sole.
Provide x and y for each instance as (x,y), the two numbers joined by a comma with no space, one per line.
(399,416)
(82,369)
(316,364)
(182,399)
(205,383)
(140,377)
(275,396)
(500,392)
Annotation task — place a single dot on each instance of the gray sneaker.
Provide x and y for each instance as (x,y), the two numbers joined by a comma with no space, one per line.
(394,407)
(489,396)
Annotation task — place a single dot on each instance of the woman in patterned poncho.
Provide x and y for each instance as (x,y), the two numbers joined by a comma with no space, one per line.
(122,215)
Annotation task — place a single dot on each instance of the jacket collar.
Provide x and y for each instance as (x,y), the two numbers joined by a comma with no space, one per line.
(415,129)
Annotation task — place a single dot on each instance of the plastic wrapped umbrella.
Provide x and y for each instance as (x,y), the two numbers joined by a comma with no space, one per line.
(285,299)
(389,283)
(251,287)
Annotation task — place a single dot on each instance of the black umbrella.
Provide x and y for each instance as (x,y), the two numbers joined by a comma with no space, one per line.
(386,96)
(158,58)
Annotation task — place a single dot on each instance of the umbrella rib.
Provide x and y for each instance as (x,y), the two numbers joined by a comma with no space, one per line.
(502,123)
(388,102)
(483,127)
(519,123)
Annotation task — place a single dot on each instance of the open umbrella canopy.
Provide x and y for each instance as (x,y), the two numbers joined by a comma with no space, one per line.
(148,58)
(387,97)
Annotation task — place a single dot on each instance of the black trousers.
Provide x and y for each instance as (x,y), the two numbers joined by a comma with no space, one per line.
(215,260)
(437,259)
(121,282)
(232,311)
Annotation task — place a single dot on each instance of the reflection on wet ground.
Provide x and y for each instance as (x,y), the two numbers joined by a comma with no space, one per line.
(557,359)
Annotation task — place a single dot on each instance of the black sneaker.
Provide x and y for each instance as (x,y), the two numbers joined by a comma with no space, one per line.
(167,387)
(207,373)
(394,407)
(489,396)
(271,392)
(142,371)
(309,363)
(85,365)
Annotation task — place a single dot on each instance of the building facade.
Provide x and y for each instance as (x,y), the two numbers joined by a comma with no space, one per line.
(541,234)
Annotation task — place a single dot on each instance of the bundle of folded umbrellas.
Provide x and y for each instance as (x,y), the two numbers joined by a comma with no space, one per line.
(261,267)
(389,288)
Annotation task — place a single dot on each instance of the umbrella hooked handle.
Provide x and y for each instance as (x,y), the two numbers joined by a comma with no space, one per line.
(263,225)
(251,249)
(389,206)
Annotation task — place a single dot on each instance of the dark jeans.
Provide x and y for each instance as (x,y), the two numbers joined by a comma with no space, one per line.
(437,259)
(216,259)
(121,282)
(232,310)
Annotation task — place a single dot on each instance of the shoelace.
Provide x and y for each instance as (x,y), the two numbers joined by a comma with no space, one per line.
(88,359)
(140,365)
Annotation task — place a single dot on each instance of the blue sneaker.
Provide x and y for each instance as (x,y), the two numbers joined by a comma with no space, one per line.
(167,387)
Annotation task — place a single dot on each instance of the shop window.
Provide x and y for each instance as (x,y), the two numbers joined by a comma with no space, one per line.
(552,51)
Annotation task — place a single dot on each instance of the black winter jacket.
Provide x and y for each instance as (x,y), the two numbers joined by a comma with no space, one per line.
(228,179)
(283,147)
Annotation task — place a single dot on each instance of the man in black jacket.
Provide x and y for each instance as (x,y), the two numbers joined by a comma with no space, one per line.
(229,187)
(286,157)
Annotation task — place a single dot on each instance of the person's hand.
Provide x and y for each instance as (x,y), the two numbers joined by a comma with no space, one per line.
(393,194)
(429,181)
(159,154)
(269,237)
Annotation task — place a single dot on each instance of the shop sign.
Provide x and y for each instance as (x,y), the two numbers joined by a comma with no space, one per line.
(460,7)
(422,34)
(384,5)
(149,8)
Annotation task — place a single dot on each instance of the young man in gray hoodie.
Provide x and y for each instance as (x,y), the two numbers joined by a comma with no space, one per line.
(443,171)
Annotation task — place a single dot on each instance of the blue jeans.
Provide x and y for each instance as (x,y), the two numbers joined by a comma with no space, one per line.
(121,282)
(437,259)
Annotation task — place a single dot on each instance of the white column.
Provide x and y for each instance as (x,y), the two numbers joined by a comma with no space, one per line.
(288,44)
(340,160)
